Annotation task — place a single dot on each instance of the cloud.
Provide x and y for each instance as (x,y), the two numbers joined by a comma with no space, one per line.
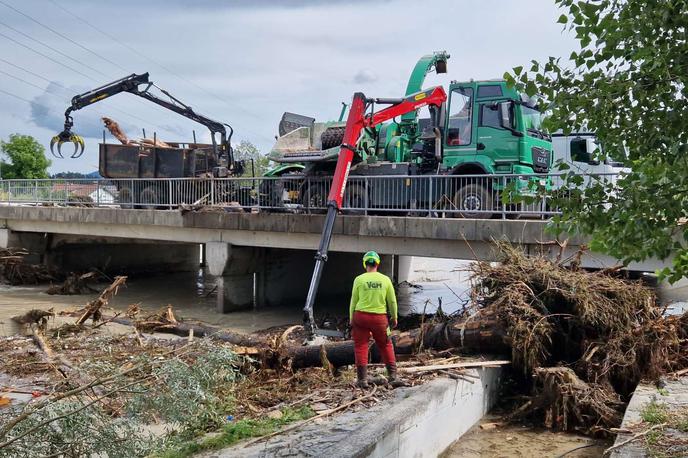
(48,108)
(365,76)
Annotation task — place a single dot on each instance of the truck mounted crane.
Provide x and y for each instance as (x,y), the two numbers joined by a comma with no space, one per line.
(356,122)
(140,86)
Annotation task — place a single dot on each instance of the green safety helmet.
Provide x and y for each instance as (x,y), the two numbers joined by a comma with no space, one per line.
(371,256)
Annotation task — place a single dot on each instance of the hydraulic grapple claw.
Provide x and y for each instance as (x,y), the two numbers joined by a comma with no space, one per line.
(67,137)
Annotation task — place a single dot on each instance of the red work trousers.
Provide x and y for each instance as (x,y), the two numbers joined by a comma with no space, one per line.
(362,326)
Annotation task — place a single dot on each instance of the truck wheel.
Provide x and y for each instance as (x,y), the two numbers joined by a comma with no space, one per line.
(149,198)
(314,197)
(354,200)
(125,198)
(473,201)
(331,137)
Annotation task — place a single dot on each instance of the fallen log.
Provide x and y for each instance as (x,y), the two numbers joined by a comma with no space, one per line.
(479,333)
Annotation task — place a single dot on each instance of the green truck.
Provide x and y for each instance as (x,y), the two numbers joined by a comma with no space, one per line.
(485,128)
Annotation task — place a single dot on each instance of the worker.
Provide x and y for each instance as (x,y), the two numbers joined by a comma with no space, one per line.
(372,299)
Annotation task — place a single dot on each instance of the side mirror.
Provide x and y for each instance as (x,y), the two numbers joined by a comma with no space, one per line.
(506,119)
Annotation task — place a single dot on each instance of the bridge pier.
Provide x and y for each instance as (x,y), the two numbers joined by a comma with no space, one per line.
(266,277)
(234,269)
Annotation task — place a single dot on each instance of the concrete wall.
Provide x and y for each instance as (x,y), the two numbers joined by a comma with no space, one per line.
(417,422)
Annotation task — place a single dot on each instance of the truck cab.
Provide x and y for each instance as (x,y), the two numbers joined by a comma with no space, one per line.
(579,150)
(490,129)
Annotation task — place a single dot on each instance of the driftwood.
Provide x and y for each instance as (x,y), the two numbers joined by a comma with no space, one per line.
(35,317)
(74,284)
(93,308)
(444,367)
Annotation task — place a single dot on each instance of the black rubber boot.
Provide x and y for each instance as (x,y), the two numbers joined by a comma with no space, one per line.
(362,377)
(392,376)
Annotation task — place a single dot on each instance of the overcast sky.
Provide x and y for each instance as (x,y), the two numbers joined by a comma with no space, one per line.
(245,62)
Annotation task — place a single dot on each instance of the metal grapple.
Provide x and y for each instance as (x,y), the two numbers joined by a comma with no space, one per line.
(67,136)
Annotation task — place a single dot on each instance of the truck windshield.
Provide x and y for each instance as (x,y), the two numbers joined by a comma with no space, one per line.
(532,121)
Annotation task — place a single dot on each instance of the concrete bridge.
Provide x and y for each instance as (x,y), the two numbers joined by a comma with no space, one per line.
(249,251)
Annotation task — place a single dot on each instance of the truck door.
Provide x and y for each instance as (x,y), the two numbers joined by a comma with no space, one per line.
(494,141)
(459,139)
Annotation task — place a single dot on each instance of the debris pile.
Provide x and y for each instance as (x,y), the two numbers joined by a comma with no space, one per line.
(74,284)
(15,271)
(583,340)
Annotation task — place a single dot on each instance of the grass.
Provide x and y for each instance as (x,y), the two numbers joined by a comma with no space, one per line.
(661,442)
(654,413)
(236,431)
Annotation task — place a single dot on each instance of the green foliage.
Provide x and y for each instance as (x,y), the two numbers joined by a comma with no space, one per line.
(628,83)
(68,175)
(247,152)
(26,156)
(191,395)
(654,413)
(236,431)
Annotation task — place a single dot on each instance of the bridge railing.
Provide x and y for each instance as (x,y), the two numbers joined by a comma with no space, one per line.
(476,196)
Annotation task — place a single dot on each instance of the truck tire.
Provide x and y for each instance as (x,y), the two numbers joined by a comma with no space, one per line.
(473,201)
(331,137)
(313,197)
(355,199)
(149,198)
(125,198)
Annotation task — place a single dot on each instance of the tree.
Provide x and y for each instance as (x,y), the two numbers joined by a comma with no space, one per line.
(68,175)
(627,83)
(27,158)
(247,151)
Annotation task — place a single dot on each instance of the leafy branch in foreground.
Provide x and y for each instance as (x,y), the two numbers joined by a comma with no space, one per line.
(188,389)
(626,83)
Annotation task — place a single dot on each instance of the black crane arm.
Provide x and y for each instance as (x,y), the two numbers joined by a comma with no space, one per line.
(140,85)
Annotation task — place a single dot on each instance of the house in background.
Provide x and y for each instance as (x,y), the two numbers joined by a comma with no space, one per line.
(85,192)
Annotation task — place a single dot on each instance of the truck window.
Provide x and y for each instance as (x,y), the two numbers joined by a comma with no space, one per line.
(579,150)
(489,116)
(489,91)
(460,117)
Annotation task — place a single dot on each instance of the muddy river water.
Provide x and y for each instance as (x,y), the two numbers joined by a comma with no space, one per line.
(192,296)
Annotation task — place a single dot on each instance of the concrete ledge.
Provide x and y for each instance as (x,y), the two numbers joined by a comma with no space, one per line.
(675,397)
(419,422)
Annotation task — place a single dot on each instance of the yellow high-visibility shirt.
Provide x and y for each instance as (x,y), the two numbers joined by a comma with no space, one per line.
(373,293)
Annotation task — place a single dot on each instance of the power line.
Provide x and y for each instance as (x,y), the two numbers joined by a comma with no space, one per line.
(27,83)
(148,58)
(53,49)
(17,97)
(68,97)
(44,55)
(140,54)
(62,35)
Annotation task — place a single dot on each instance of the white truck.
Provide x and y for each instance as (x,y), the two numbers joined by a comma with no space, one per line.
(579,151)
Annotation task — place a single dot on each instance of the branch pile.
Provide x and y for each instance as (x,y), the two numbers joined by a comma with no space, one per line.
(586,338)
(15,271)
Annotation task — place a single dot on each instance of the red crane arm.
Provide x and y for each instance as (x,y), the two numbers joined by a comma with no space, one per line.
(355,123)
(358,120)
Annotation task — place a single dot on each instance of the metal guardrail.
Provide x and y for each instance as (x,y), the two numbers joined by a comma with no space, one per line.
(476,196)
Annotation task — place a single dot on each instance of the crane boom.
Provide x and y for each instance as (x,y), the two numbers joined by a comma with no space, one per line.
(355,123)
(139,85)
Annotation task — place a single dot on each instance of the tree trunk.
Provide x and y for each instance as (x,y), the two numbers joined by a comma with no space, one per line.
(480,333)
